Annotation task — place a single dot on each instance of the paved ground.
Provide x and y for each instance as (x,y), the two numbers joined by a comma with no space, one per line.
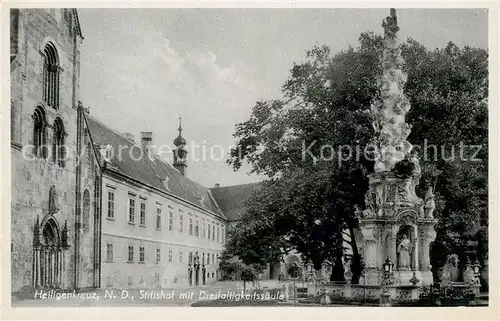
(130,298)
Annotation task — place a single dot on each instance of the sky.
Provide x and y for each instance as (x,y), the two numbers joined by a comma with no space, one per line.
(142,69)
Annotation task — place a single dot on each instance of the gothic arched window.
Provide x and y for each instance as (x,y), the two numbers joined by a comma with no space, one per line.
(58,147)
(40,133)
(51,76)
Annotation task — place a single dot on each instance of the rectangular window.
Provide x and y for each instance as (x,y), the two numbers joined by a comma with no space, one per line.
(197,229)
(218,236)
(213,259)
(213,231)
(181,223)
(109,252)
(208,236)
(222,235)
(111,204)
(158,255)
(190,226)
(169,256)
(130,253)
(180,256)
(208,258)
(170,221)
(143,214)
(141,254)
(130,280)
(158,218)
(203,258)
(131,210)
(204,230)
(109,283)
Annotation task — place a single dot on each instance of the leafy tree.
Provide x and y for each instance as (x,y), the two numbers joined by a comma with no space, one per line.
(294,271)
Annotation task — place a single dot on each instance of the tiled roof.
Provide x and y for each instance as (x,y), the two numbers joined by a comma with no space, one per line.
(147,171)
(231,199)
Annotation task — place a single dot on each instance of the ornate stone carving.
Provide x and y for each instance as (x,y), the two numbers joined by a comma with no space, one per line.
(431,235)
(391,201)
(391,193)
(390,25)
(430,205)
(378,232)
(347,271)
(407,217)
(404,250)
(389,112)
(449,272)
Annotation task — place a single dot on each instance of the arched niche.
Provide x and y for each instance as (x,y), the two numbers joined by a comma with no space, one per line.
(405,245)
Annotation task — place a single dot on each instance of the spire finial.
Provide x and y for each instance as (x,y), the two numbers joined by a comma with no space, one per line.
(180,140)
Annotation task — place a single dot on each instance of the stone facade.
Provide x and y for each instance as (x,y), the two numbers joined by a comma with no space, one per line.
(45,200)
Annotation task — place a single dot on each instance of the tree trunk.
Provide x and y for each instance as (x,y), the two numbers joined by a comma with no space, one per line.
(356,258)
(338,268)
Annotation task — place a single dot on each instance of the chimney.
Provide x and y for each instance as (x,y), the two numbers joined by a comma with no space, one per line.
(146,140)
(217,185)
(130,137)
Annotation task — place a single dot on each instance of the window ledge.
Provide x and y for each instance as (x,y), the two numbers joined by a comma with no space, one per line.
(141,262)
(107,261)
(110,218)
(131,223)
(142,225)
(130,261)
(16,145)
(158,228)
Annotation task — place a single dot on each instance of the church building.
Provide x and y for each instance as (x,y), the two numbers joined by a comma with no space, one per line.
(53,222)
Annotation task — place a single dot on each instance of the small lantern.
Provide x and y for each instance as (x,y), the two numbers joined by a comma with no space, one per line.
(388,265)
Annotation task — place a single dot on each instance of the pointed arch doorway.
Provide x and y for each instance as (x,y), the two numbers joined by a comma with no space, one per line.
(48,254)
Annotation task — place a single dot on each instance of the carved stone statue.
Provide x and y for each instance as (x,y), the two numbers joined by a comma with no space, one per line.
(404,252)
(430,205)
(417,170)
(449,272)
(390,25)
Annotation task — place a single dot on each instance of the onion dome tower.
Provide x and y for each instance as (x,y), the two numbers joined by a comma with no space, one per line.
(180,153)
(396,224)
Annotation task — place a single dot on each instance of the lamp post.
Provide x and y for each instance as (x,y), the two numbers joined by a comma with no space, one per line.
(387,280)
